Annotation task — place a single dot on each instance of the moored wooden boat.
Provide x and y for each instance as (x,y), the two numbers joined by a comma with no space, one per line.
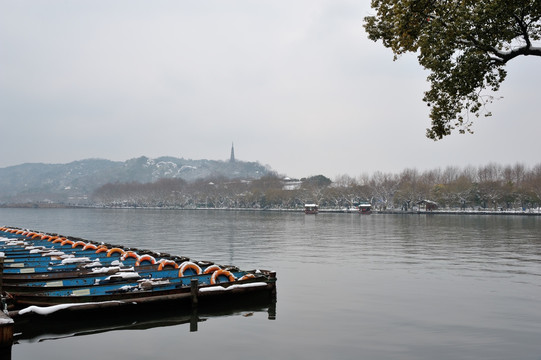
(116,275)
(144,291)
(28,258)
(47,270)
(365,208)
(311,209)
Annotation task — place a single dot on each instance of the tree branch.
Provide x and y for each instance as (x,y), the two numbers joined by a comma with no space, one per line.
(523,30)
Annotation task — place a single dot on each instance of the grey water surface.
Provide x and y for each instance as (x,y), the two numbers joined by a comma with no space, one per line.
(349,286)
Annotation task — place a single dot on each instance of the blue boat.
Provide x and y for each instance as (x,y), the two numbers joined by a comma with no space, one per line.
(49,269)
(26,255)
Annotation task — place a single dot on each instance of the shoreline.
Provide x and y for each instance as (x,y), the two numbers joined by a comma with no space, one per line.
(299,210)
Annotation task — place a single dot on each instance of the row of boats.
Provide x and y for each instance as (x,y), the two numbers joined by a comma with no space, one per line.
(44,270)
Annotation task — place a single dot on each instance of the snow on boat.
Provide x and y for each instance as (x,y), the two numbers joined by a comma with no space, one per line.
(51,270)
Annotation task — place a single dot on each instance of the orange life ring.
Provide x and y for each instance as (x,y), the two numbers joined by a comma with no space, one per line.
(68,242)
(101,249)
(52,238)
(129,254)
(247,276)
(211,269)
(58,241)
(90,246)
(79,243)
(145,258)
(36,235)
(165,263)
(43,237)
(19,232)
(217,273)
(115,250)
(188,265)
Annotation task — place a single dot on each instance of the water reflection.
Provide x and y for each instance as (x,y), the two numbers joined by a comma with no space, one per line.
(48,328)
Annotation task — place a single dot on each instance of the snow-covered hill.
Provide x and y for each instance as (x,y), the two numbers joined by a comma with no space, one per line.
(74,182)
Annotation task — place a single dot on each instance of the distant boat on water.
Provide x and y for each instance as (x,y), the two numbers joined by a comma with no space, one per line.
(311,209)
(365,208)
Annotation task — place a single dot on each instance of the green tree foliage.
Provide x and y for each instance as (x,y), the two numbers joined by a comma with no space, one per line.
(316,181)
(465,44)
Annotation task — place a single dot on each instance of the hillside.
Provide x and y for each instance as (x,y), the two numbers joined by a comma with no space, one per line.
(73,183)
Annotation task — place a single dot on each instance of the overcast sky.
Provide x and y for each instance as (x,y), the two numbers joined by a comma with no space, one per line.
(295,84)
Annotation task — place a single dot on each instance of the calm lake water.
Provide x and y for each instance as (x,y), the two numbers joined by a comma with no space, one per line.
(349,286)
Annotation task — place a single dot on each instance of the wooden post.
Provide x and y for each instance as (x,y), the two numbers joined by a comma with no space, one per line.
(194,291)
(194,319)
(6,323)
(2,255)
(272,307)
(272,278)
(5,353)
(6,330)
(272,310)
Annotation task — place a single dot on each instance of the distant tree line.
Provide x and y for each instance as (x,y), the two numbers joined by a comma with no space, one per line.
(490,187)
